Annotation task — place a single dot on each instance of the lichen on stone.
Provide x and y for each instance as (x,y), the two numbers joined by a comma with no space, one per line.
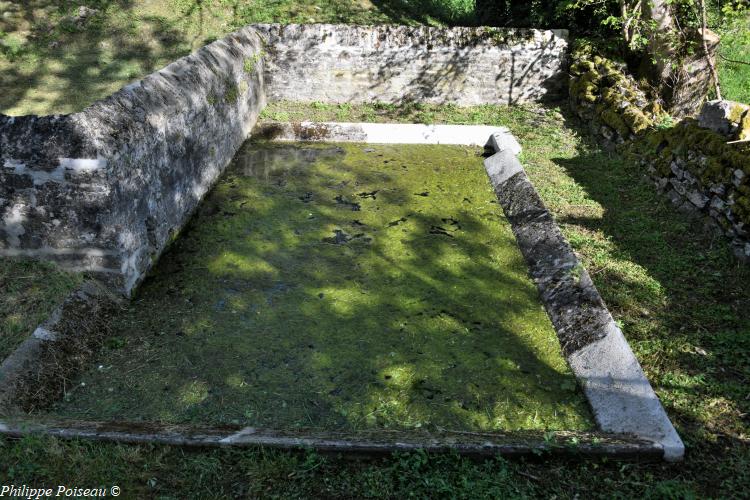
(706,155)
(617,101)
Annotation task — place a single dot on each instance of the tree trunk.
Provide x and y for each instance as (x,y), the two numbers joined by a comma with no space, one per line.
(661,43)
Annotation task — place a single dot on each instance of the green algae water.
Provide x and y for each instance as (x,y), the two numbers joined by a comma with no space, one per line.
(339,287)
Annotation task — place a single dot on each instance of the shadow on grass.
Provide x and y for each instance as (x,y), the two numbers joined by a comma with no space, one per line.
(66,63)
(681,295)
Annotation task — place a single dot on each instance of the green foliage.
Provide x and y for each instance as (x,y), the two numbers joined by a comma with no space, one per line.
(251,62)
(733,25)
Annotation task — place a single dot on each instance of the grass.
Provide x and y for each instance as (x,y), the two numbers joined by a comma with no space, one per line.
(340,287)
(29,291)
(734,71)
(674,288)
(734,60)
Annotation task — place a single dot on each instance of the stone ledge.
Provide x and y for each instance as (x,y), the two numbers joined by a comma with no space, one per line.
(620,396)
(377,133)
(366,444)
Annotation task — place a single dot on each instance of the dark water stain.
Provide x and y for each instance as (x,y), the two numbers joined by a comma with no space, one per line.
(371,194)
(452,222)
(339,238)
(397,222)
(351,205)
(440,231)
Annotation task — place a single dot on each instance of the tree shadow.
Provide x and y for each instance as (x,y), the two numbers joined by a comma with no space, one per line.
(67,64)
(673,281)
(442,80)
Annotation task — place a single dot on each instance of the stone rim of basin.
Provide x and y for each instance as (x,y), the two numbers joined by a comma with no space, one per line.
(622,399)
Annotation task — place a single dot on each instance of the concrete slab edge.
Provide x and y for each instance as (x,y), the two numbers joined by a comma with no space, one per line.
(620,395)
(377,133)
(371,443)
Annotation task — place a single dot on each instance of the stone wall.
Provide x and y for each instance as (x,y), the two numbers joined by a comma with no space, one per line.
(608,99)
(693,162)
(106,189)
(464,66)
(702,174)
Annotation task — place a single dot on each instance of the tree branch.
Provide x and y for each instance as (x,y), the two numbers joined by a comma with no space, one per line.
(734,61)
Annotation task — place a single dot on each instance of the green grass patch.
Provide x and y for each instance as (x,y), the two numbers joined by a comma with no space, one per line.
(340,287)
(29,291)
(52,61)
(734,60)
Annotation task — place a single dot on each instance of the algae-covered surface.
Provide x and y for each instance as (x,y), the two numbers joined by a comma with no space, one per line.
(340,287)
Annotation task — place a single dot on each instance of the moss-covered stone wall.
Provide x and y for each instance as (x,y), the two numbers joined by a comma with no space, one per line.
(702,171)
(608,99)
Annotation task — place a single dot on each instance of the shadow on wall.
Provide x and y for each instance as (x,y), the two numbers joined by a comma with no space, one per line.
(457,74)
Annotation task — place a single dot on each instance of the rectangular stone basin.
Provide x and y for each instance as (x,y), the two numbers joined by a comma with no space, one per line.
(339,287)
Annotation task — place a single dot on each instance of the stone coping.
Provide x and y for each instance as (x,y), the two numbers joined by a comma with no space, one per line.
(368,443)
(618,391)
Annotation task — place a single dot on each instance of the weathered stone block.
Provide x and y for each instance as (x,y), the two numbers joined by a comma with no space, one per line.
(697,198)
(723,117)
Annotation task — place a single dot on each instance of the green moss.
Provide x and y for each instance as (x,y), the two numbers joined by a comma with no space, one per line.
(636,120)
(232,93)
(600,80)
(614,120)
(250,63)
(722,159)
(736,112)
(283,306)
(744,129)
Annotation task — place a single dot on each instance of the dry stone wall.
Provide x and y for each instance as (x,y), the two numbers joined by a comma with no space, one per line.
(106,189)
(606,98)
(702,174)
(464,66)
(694,162)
